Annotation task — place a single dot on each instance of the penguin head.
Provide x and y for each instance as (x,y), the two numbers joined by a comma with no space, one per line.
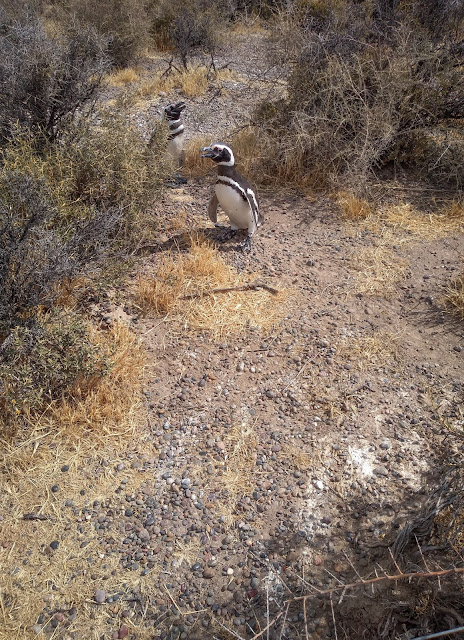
(219,153)
(173,111)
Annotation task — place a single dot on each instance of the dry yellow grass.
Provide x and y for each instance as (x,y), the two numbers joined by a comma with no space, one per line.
(454,297)
(404,217)
(196,166)
(246,152)
(377,349)
(79,432)
(237,479)
(352,207)
(379,270)
(122,77)
(197,272)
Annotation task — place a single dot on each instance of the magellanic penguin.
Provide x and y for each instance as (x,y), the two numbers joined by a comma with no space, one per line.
(175,148)
(233,192)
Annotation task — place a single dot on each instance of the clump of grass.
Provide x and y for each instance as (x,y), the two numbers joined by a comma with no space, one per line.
(111,407)
(240,464)
(182,286)
(405,217)
(122,77)
(376,349)
(195,166)
(43,362)
(352,207)
(454,297)
(379,270)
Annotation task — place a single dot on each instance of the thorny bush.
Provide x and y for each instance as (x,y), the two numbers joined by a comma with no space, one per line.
(45,80)
(45,360)
(357,101)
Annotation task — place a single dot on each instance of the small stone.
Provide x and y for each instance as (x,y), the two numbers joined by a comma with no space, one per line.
(65,468)
(319,484)
(100,596)
(208,573)
(123,631)
(230,571)
(54,544)
(380,471)
(144,535)
(55,488)
(37,628)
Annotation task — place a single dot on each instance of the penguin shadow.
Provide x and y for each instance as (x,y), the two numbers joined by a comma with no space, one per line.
(182,241)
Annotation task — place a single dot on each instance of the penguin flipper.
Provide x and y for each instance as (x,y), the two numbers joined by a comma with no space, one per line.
(212,208)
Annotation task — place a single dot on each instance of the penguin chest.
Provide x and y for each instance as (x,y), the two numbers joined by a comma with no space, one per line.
(176,146)
(235,207)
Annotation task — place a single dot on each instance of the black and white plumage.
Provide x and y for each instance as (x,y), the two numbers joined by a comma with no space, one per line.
(233,192)
(175,148)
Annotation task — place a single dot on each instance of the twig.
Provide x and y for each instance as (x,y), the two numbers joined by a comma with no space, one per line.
(400,576)
(244,287)
(267,627)
(305,620)
(333,618)
(36,516)
(284,620)
(440,634)
(396,564)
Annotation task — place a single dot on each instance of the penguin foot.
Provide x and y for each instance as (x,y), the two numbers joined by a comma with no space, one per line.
(246,246)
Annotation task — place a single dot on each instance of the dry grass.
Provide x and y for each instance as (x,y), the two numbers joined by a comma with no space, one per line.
(352,207)
(404,217)
(379,270)
(454,297)
(122,77)
(112,407)
(196,166)
(296,456)
(201,270)
(79,432)
(191,83)
(240,464)
(377,349)
(246,151)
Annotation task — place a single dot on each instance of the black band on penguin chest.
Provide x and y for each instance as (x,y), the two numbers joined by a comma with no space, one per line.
(234,187)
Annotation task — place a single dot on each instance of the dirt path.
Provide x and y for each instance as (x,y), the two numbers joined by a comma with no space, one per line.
(278,455)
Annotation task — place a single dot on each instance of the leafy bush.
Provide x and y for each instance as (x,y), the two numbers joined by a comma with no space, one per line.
(41,362)
(46,79)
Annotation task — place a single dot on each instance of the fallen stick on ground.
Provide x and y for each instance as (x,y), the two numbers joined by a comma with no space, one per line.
(243,287)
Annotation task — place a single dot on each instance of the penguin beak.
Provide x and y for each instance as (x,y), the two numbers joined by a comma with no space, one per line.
(207,152)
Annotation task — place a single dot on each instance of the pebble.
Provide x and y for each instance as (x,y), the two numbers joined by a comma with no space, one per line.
(100,596)
(319,484)
(123,631)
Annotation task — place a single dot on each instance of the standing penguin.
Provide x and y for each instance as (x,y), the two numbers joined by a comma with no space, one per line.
(234,193)
(175,148)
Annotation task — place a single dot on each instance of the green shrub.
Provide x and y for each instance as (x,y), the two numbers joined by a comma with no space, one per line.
(45,360)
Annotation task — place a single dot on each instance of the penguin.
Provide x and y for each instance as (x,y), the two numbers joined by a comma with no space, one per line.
(175,148)
(234,193)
